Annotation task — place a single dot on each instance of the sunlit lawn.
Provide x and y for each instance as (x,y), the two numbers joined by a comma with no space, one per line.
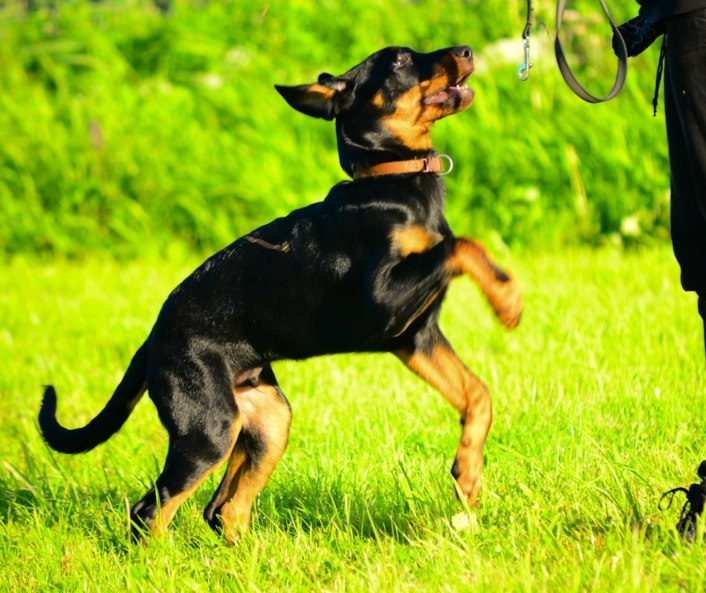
(598,402)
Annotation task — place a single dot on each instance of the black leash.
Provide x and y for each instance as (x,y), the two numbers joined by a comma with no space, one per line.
(660,68)
(568,75)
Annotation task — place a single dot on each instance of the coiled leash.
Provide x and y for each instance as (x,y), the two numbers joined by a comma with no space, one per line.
(619,48)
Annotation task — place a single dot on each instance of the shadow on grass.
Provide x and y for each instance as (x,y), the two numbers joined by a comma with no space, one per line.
(332,506)
(94,513)
(372,508)
(101,515)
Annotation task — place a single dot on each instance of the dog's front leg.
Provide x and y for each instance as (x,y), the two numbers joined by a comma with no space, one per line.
(433,359)
(501,289)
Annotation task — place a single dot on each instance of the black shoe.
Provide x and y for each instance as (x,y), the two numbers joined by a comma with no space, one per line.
(693,507)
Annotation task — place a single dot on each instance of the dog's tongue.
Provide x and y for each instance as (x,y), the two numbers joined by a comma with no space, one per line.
(453,91)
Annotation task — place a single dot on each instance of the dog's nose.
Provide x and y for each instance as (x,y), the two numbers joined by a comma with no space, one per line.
(463,51)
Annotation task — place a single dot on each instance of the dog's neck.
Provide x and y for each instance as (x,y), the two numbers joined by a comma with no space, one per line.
(364,151)
(440,164)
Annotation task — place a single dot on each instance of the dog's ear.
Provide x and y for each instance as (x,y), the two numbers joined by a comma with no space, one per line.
(321,99)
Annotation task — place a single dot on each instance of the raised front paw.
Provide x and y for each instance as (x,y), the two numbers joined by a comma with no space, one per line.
(501,289)
(505,297)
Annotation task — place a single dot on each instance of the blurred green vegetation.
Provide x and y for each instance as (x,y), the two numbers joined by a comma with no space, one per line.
(125,129)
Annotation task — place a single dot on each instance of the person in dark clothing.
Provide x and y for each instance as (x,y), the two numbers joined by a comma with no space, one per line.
(685,110)
(684,51)
(664,9)
(684,22)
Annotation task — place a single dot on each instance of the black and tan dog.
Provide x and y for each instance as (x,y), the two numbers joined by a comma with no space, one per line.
(365,270)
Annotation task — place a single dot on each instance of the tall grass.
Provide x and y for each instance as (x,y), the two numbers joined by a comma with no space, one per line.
(127,130)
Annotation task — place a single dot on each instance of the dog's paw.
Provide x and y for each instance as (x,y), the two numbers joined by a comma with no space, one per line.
(225,524)
(506,299)
(467,485)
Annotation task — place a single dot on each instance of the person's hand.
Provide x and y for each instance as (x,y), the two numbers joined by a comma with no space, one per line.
(638,33)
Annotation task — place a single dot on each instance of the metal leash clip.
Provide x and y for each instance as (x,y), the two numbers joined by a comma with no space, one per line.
(523,71)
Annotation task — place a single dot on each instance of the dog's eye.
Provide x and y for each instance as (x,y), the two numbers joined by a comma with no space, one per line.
(401,60)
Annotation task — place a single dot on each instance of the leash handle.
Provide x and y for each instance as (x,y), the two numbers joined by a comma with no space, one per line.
(568,75)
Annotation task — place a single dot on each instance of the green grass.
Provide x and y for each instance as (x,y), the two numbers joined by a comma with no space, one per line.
(136,135)
(598,401)
(113,117)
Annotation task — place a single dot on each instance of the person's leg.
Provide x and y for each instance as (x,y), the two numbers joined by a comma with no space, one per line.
(702,312)
(685,109)
(685,100)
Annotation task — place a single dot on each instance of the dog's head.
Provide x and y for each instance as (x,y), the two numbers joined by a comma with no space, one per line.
(385,106)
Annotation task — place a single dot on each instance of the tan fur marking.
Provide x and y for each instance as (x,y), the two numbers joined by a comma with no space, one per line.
(321,91)
(318,95)
(444,371)
(283,247)
(500,288)
(411,120)
(266,412)
(169,508)
(406,124)
(413,239)
(262,406)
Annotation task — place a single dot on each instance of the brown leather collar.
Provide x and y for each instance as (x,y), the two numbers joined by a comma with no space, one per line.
(441,164)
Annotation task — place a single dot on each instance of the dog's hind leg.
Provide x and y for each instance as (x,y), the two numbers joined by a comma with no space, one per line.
(203,426)
(266,418)
(432,359)
(501,289)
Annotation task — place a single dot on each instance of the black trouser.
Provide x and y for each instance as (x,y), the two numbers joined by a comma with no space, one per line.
(685,100)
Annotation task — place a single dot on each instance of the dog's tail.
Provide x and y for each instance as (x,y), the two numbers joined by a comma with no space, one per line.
(107,422)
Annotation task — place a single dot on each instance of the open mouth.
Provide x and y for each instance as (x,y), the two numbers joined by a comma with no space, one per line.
(458,94)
